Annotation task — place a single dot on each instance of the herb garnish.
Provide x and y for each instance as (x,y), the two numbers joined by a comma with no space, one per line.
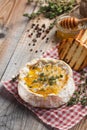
(80,95)
(41,78)
(41,74)
(44,78)
(34,81)
(61,76)
(53,9)
(52,80)
(30,86)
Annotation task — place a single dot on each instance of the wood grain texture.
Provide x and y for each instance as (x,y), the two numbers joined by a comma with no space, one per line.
(17,48)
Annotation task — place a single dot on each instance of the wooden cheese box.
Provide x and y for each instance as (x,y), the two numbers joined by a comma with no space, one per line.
(74,51)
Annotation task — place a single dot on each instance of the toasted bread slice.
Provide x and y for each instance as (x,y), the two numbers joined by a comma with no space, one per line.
(74,51)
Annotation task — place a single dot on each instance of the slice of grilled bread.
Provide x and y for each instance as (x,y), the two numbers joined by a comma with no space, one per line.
(74,51)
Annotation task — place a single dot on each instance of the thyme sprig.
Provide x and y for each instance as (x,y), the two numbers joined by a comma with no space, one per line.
(80,95)
(53,9)
(49,80)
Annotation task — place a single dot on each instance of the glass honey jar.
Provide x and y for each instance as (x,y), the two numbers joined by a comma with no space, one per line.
(64,33)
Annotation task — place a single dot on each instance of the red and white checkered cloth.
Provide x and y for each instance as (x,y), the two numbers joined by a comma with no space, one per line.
(62,118)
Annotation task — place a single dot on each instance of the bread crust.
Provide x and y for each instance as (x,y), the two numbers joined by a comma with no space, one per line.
(74,51)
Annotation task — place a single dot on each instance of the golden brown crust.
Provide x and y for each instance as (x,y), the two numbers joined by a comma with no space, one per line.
(74,52)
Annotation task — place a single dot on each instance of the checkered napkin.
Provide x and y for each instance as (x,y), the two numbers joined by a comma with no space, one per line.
(62,118)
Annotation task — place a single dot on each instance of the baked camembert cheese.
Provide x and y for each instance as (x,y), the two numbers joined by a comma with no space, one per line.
(46,82)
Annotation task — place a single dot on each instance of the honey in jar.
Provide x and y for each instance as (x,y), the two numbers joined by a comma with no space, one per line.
(64,33)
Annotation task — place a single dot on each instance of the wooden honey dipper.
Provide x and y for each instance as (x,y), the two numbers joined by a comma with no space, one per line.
(71,22)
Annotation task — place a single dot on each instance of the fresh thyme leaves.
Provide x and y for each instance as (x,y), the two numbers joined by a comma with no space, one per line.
(32,16)
(84,101)
(61,76)
(80,96)
(41,78)
(30,86)
(53,9)
(52,24)
(49,80)
(41,74)
(52,80)
(29,1)
(34,81)
(72,101)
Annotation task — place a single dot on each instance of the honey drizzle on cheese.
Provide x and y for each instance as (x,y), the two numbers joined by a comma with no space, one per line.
(46,78)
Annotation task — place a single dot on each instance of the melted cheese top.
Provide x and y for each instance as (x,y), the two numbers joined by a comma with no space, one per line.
(45,79)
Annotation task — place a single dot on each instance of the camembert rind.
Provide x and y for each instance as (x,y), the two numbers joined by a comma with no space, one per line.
(51,100)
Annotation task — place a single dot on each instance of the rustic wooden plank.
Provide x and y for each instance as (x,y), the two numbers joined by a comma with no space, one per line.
(24,52)
(16,28)
(14,116)
(24,55)
(81,126)
(21,55)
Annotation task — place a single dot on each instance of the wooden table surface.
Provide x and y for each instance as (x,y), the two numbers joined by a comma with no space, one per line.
(16,48)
